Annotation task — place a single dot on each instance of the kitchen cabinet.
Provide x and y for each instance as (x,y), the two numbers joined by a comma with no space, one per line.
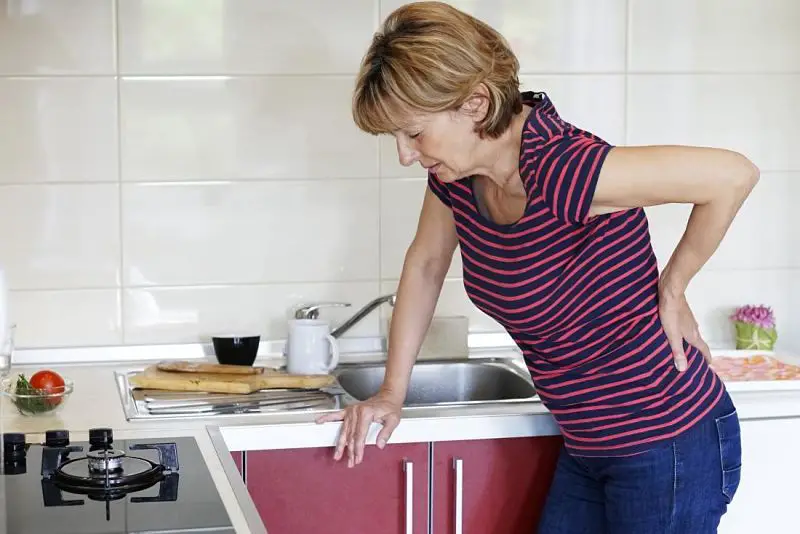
(766,500)
(305,490)
(497,485)
(493,485)
(238,460)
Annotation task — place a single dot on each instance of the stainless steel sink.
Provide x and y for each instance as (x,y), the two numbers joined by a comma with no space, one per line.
(445,382)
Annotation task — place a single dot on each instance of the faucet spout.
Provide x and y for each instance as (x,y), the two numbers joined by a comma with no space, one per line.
(363,312)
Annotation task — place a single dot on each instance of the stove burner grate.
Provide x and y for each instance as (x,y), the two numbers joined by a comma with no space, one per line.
(124,474)
(107,474)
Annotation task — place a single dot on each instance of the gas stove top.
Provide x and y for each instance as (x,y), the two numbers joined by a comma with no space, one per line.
(105,486)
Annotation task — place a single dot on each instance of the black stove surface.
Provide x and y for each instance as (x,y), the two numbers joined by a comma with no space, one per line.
(109,486)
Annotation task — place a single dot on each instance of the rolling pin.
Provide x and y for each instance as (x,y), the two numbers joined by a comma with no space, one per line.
(154,378)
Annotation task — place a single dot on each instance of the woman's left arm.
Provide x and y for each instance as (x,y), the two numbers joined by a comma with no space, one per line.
(716,181)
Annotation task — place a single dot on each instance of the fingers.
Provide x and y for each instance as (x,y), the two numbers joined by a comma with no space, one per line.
(330,417)
(390,422)
(676,344)
(355,427)
(341,442)
(361,435)
(702,346)
(680,358)
(352,435)
(697,341)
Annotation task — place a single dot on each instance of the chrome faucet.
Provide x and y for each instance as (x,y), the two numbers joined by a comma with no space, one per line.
(311,311)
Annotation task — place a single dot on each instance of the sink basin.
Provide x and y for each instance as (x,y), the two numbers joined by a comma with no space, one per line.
(444,382)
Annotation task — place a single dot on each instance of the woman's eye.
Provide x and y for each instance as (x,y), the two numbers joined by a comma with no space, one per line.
(414,136)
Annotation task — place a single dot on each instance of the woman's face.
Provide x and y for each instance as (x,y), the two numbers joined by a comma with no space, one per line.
(444,143)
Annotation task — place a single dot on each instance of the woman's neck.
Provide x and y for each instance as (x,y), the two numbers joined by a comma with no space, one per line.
(502,156)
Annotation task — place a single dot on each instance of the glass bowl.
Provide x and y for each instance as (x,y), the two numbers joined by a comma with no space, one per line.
(37,402)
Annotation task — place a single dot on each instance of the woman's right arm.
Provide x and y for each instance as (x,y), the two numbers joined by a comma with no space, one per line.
(424,269)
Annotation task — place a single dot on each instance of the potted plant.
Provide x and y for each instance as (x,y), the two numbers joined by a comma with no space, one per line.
(755,328)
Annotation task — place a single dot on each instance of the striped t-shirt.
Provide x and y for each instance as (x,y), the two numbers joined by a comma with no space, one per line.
(579,296)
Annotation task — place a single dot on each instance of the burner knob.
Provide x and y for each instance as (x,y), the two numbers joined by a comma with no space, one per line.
(101,437)
(13,446)
(56,438)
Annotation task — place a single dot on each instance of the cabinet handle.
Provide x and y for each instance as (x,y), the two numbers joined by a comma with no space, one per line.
(408,467)
(458,466)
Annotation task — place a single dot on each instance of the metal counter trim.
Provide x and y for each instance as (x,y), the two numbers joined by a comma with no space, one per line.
(246,504)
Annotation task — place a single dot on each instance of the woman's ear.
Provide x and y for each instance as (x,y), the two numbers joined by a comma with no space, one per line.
(476,106)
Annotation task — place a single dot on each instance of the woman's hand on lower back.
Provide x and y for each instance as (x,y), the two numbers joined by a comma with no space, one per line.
(680,324)
(383,408)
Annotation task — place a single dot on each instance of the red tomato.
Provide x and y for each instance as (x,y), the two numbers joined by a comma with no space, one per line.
(49,382)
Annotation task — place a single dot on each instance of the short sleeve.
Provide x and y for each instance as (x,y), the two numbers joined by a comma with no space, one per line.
(567,166)
(439,189)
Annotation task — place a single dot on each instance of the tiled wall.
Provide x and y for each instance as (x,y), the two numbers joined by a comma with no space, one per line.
(171,168)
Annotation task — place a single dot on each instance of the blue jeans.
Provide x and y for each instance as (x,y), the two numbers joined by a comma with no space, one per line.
(682,486)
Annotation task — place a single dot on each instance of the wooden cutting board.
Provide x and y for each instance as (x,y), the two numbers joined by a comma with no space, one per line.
(154,378)
(185,366)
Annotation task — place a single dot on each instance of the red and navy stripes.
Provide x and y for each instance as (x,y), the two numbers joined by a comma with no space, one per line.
(578,294)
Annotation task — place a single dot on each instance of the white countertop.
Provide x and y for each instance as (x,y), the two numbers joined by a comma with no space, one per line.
(95,402)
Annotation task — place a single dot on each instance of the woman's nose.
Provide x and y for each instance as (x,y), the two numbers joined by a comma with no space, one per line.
(407,155)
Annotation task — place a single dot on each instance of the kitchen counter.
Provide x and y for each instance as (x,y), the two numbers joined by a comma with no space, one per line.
(96,402)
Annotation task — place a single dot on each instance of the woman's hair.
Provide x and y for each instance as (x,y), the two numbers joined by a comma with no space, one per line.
(430,57)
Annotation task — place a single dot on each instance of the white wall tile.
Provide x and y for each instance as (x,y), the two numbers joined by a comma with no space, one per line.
(66,318)
(39,124)
(453,301)
(57,37)
(713,296)
(244,37)
(60,236)
(401,202)
(758,236)
(192,314)
(241,128)
(595,103)
(754,114)
(248,189)
(250,232)
(552,35)
(714,36)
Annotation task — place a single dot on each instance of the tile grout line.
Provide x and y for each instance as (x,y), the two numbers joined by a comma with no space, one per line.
(350,75)
(260,181)
(625,79)
(120,218)
(381,317)
(222,285)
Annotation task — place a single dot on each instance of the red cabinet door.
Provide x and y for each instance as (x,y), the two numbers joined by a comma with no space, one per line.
(237,459)
(500,484)
(305,490)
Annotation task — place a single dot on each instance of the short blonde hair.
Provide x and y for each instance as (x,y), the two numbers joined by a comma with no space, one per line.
(430,57)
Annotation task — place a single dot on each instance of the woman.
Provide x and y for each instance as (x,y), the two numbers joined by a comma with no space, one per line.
(555,247)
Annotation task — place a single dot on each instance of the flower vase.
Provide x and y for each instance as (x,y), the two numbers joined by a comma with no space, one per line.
(754,337)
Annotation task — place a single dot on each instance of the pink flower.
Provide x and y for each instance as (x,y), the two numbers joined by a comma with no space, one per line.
(761,316)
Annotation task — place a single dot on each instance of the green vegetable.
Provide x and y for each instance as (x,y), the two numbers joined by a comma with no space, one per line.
(29,398)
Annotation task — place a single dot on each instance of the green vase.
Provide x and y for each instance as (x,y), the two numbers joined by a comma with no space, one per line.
(752,337)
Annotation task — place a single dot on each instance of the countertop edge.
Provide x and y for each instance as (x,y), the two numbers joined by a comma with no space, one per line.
(237,485)
(259,436)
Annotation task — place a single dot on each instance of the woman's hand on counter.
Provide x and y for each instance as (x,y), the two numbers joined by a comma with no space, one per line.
(383,408)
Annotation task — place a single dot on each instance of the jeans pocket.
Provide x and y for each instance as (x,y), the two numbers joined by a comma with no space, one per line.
(730,452)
